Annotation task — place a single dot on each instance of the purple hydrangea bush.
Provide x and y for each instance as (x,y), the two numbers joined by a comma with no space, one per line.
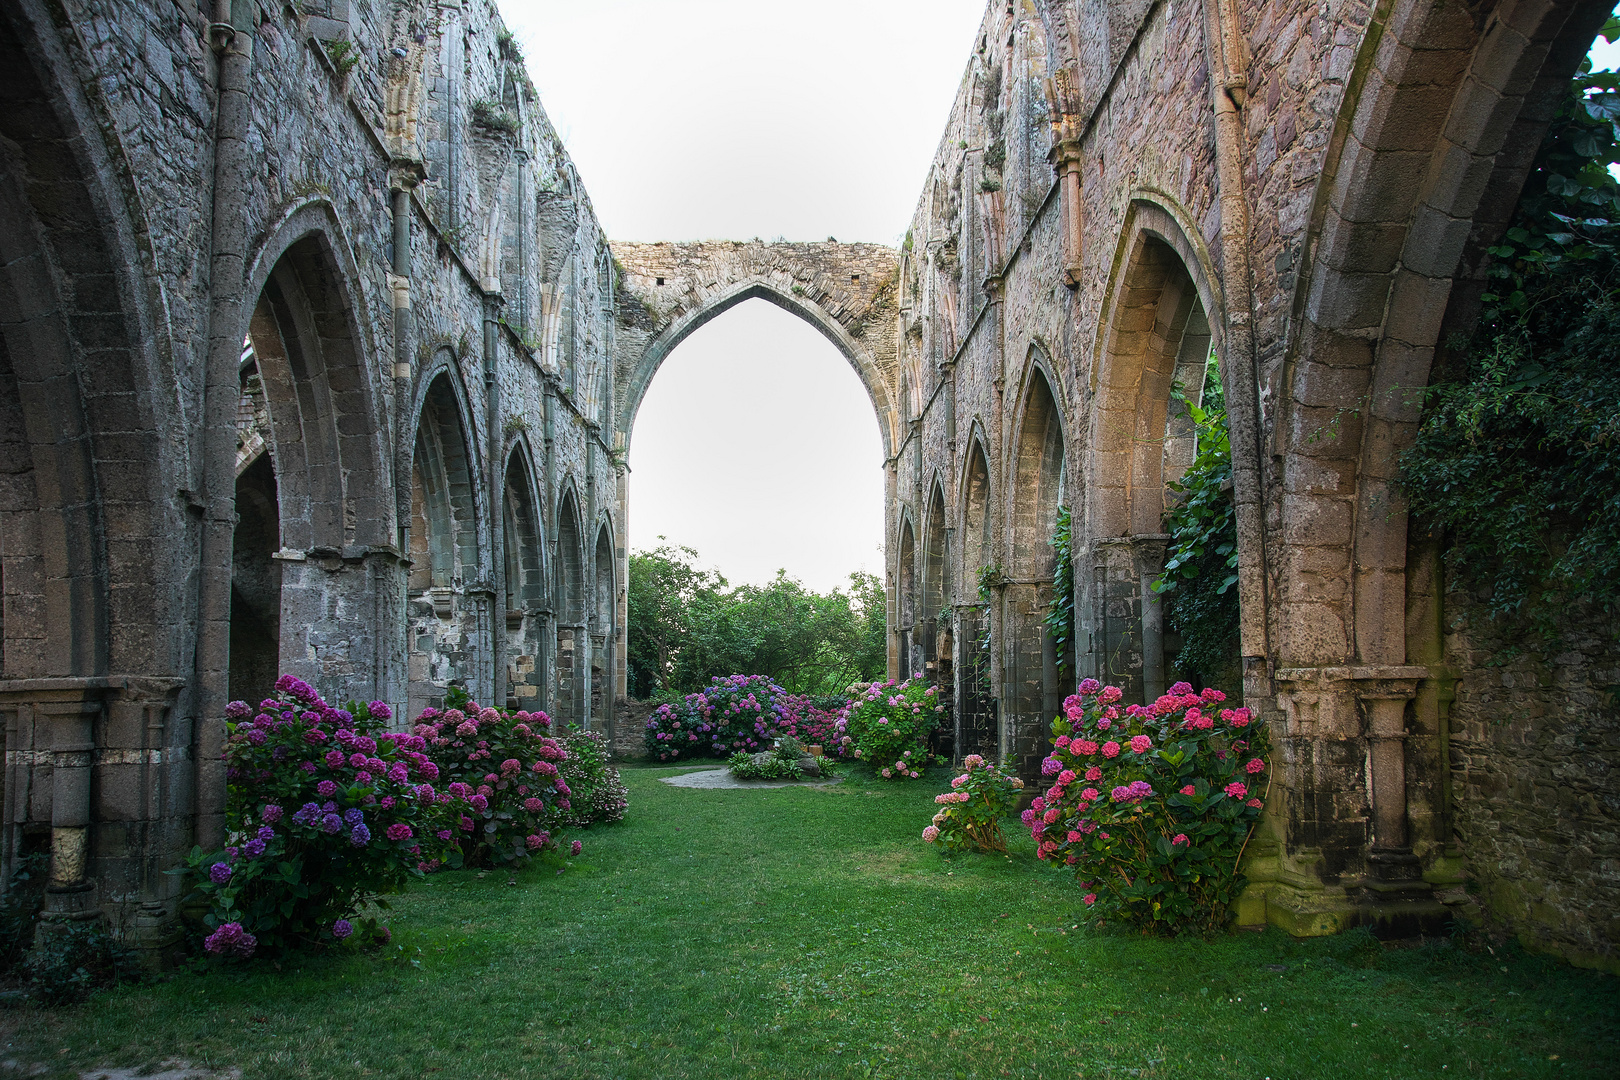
(326,812)
(737,714)
(1152,805)
(744,714)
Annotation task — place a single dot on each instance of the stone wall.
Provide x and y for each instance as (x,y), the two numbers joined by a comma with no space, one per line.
(1535,759)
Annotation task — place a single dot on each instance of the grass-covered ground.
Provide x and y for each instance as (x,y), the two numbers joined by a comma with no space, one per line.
(810,933)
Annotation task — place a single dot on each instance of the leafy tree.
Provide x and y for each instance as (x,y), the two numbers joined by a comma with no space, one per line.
(665,590)
(688,626)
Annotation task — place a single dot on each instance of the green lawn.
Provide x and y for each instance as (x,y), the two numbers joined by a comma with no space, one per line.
(806,932)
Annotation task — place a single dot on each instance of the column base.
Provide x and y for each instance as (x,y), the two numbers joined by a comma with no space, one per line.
(67,907)
(1390,913)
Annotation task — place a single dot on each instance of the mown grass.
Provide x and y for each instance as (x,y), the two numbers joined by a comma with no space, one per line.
(809,933)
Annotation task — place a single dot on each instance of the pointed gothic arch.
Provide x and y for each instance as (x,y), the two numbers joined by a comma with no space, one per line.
(449,602)
(1031,692)
(572,630)
(1153,349)
(527,586)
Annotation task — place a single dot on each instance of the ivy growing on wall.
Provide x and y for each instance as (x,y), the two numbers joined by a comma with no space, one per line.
(1517,460)
(1200,571)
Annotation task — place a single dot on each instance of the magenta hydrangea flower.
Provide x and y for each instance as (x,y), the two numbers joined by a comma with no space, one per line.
(1094,773)
(1110,749)
(326,789)
(1178,839)
(1189,790)
(219,873)
(1255,765)
(271,813)
(1237,790)
(1089,686)
(230,940)
(399,831)
(577,847)
(1140,744)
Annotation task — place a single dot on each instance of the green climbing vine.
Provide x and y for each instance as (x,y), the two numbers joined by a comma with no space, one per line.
(1200,570)
(1060,615)
(1517,461)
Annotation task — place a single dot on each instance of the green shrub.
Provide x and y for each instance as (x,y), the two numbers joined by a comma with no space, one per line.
(71,962)
(973,808)
(888,725)
(20,906)
(743,767)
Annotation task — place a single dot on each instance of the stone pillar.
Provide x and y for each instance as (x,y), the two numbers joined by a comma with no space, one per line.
(1338,807)
(99,774)
(342,613)
(1149,551)
(1068,126)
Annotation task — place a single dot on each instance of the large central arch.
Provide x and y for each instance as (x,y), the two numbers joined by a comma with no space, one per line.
(666,291)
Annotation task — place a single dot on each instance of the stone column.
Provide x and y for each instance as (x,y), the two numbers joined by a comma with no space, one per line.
(1148,551)
(1339,805)
(1068,126)
(97,775)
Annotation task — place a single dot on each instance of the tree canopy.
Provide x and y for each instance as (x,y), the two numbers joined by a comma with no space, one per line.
(688,625)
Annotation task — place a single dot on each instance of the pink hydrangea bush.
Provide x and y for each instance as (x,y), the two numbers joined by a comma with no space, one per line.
(1151,805)
(596,792)
(508,769)
(969,818)
(818,721)
(326,811)
(888,723)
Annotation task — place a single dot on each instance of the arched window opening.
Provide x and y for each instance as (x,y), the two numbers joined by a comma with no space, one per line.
(573,643)
(932,615)
(1032,691)
(603,655)
(1145,440)
(910,651)
(449,627)
(255,584)
(976,723)
(526,630)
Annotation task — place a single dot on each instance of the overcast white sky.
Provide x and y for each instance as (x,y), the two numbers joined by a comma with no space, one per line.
(730,119)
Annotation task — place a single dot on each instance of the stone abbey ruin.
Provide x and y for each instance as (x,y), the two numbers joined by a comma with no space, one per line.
(314,359)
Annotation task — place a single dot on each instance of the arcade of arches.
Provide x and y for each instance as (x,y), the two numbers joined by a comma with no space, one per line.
(324,371)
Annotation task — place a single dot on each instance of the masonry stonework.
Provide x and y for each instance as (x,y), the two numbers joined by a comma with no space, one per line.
(314,359)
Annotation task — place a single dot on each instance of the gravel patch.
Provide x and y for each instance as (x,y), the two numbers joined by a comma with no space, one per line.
(722,778)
